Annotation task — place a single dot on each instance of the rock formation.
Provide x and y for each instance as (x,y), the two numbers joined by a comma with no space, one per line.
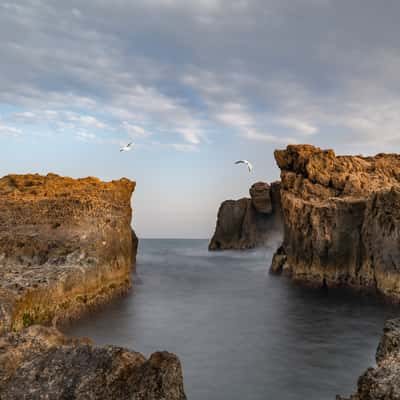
(41,363)
(341,219)
(249,222)
(65,245)
(382,382)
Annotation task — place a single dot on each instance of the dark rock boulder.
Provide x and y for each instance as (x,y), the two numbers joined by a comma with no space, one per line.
(42,363)
(249,222)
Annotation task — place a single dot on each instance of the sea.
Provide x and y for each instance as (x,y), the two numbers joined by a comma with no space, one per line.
(240,332)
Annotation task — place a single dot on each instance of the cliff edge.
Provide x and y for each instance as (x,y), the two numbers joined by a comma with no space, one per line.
(65,245)
(249,222)
(341,219)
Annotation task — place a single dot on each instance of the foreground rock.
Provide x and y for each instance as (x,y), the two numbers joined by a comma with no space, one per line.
(249,222)
(41,363)
(341,219)
(66,245)
(382,382)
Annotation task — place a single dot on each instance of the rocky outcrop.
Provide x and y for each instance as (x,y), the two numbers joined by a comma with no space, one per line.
(341,219)
(66,245)
(41,363)
(383,381)
(249,222)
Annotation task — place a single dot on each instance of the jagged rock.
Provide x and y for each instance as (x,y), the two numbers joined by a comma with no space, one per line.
(249,222)
(41,363)
(341,219)
(383,381)
(65,245)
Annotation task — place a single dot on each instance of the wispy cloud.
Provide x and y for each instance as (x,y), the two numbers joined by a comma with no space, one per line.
(287,68)
(7,130)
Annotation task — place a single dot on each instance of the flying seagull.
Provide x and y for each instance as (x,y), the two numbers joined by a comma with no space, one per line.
(249,166)
(128,147)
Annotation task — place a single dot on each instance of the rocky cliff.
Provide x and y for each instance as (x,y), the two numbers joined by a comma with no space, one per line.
(41,363)
(65,245)
(341,219)
(383,381)
(249,222)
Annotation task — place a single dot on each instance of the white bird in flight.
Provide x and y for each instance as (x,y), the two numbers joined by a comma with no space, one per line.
(248,163)
(128,147)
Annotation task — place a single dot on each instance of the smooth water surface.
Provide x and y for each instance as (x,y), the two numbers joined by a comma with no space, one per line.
(240,332)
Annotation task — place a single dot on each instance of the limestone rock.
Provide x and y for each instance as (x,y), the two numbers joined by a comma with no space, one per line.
(66,245)
(41,363)
(341,219)
(249,222)
(383,381)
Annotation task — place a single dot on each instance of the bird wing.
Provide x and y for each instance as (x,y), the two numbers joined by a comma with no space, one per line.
(248,163)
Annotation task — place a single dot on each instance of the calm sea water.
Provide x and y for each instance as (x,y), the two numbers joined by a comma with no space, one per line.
(240,332)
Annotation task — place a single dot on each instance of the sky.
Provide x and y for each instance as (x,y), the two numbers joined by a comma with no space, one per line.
(196,84)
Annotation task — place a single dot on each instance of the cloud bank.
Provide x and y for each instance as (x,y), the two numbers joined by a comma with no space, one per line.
(179,72)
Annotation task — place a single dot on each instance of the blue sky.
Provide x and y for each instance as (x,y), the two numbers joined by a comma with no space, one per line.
(196,85)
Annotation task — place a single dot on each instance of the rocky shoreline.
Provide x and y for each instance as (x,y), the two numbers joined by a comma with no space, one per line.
(42,363)
(67,246)
(383,381)
(340,219)
(339,216)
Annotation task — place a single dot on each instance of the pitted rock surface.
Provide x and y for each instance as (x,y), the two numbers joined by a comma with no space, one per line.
(341,218)
(66,245)
(41,363)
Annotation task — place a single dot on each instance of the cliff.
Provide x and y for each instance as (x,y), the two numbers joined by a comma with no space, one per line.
(341,219)
(40,362)
(383,381)
(249,222)
(66,245)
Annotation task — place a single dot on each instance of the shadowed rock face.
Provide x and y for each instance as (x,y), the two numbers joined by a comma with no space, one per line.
(383,381)
(66,245)
(41,363)
(249,222)
(260,194)
(341,219)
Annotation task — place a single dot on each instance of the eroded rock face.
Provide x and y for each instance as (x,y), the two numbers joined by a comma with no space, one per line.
(341,219)
(249,222)
(65,245)
(260,194)
(41,363)
(383,381)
